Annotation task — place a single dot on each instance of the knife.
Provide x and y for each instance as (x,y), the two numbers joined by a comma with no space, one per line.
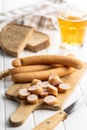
(53,121)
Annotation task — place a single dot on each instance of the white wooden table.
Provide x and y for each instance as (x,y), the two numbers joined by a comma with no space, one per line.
(77,121)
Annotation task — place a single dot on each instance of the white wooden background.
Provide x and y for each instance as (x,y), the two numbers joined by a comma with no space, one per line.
(77,121)
(7,5)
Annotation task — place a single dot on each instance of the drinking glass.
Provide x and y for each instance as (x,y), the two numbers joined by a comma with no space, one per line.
(72,24)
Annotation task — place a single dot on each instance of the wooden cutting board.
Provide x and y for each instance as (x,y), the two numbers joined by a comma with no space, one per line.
(18,117)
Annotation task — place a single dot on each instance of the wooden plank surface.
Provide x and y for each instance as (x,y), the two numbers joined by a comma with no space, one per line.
(8,107)
(78,120)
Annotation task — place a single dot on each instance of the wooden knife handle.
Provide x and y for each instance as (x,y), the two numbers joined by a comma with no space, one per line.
(51,122)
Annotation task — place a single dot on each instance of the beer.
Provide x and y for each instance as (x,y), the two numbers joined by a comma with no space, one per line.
(72,28)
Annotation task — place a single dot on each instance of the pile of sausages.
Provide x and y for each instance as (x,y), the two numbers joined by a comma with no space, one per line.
(44,72)
(48,90)
(42,66)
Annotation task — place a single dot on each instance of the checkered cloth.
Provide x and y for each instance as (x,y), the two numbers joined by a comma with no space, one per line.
(40,16)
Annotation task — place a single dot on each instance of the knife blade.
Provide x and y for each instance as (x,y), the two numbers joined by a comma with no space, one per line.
(54,120)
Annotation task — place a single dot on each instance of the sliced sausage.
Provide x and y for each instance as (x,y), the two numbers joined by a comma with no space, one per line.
(36,89)
(36,82)
(63,87)
(23,93)
(44,93)
(54,79)
(50,100)
(52,90)
(32,99)
(44,84)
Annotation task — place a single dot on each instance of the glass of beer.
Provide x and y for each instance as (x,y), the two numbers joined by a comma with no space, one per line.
(72,25)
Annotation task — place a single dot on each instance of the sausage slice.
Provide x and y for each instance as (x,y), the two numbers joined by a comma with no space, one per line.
(44,93)
(63,87)
(54,79)
(23,93)
(32,98)
(36,82)
(50,100)
(35,89)
(44,84)
(52,90)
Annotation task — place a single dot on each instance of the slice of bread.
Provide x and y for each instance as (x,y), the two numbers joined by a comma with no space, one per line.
(38,41)
(14,38)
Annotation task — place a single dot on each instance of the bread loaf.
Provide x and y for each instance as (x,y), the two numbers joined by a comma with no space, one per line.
(14,38)
(38,41)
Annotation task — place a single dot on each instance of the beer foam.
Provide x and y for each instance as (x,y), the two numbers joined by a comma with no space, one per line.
(72,16)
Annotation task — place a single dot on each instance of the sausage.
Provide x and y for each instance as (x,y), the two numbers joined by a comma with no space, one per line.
(4,73)
(36,82)
(30,68)
(35,89)
(44,84)
(41,75)
(32,99)
(44,93)
(23,93)
(50,100)
(54,79)
(52,90)
(62,88)
(59,65)
(48,59)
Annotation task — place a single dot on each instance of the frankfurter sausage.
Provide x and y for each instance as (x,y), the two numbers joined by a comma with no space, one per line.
(41,75)
(4,73)
(50,100)
(30,68)
(48,59)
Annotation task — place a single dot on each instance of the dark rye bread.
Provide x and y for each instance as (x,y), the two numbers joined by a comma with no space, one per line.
(38,41)
(14,38)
